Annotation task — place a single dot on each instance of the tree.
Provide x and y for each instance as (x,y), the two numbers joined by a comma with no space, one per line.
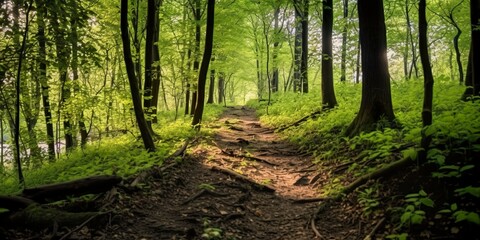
(428,78)
(149,42)
(475,21)
(129,65)
(202,75)
(328,92)
(304,61)
(376,104)
(211,88)
(343,66)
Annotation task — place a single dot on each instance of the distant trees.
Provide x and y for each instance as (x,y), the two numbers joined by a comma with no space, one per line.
(475,58)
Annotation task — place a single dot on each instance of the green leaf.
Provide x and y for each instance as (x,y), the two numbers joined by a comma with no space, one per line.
(467,167)
(474,191)
(473,217)
(412,195)
(450,167)
(417,219)
(445,211)
(427,202)
(454,207)
(422,193)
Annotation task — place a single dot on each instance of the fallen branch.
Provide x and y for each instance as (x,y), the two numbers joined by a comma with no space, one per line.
(200,193)
(236,175)
(59,191)
(307,200)
(372,233)
(304,119)
(315,230)
(14,203)
(236,155)
(79,227)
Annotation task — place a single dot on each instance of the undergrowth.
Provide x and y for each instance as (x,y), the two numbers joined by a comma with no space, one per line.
(121,155)
(448,177)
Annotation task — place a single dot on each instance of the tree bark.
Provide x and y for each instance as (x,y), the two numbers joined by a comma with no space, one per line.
(276,42)
(221,87)
(211,88)
(63,56)
(428,79)
(304,62)
(147,87)
(376,101)
(76,89)
(297,60)
(129,65)
(468,93)
(156,78)
(343,65)
(328,92)
(196,62)
(202,76)
(475,21)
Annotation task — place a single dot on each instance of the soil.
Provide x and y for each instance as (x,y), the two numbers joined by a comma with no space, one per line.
(242,182)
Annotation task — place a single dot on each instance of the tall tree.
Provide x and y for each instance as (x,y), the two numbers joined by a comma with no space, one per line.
(133,81)
(42,59)
(297,59)
(63,58)
(328,92)
(156,78)
(343,65)
(149,42)
(475,21)
(197,14)
(304,62)
(376,101)
(428,78)
(276,43)
(207,54)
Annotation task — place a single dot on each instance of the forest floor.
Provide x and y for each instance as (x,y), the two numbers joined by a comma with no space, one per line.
(243,183)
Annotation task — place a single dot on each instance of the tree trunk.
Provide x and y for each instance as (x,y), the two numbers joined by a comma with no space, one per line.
(202,76)
(407,40)
(76,89)
(221,87)
(428,79)
(297,48)
(304,62)
(343,65)
(475,21)
(63,56)
(468,78)
(328,92)
(129,65)
(276,42)
(147,89)
(211,88)
(156,60)
(196,62)
(187,80)
(376,102)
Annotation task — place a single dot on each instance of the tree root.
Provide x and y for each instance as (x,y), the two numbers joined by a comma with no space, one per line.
(236,175)
(385,171)
(59,191)
(236,155)
(202,192)
(377,226)
(300,121)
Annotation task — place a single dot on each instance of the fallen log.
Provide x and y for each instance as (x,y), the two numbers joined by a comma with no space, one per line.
(37,218)
(238,176)
(14,203)
(79,187)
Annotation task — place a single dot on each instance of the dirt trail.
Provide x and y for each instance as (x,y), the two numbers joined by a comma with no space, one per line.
(193,199)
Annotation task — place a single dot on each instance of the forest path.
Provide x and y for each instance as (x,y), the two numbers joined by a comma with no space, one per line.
(243,183)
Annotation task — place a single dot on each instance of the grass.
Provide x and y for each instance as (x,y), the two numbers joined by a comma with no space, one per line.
(123,155)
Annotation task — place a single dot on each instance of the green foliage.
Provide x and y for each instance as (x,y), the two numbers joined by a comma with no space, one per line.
(412,213)
(461,215)
(369,199)
(211,233)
